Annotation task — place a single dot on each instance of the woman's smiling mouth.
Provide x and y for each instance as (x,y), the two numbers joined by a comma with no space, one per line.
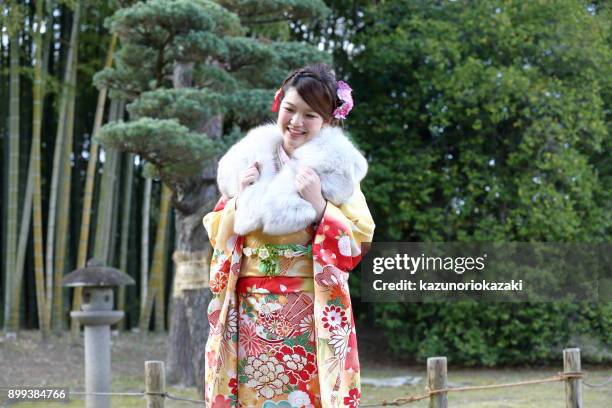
(295,134)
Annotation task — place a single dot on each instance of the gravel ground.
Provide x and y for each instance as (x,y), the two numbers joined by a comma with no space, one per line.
(59,361)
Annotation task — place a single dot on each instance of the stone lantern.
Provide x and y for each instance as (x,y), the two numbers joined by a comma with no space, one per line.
(97,315)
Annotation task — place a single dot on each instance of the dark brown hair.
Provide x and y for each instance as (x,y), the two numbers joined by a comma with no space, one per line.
(316,85)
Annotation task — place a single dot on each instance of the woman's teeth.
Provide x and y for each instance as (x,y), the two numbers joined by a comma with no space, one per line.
(296,133)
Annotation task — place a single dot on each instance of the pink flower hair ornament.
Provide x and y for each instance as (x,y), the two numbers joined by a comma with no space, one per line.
(344,94)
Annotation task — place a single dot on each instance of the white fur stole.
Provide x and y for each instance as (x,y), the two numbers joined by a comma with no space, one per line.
(273,203)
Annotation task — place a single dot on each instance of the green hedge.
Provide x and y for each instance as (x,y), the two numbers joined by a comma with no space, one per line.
(496,334)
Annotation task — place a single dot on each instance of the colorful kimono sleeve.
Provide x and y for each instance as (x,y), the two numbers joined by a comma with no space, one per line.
(340,241)
(344,233)
(221,352)
(213,219)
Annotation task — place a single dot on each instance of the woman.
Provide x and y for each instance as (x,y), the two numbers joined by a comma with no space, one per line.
(289,227)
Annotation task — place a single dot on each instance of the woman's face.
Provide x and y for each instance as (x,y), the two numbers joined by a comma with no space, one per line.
(298,122)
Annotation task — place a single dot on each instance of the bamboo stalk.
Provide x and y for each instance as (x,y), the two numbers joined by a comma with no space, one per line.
(144,246)
(116,185)
(26,216)
(158,268)
(160,302)
(57,158)
(64,207)
(13,178)
(125,228)
(105,200)
(89,185)
(37,91)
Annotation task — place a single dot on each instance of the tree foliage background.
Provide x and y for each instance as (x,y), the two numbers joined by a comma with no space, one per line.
(487,122)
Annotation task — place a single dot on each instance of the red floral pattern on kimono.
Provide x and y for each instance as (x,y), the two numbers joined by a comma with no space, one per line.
(336,249)
(276,342)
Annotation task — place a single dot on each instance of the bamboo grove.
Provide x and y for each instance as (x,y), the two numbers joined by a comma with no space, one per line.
(55,181)
(70,199)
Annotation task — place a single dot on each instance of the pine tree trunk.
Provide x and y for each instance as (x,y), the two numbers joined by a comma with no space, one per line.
(190,295)
(13,182)
(89,186)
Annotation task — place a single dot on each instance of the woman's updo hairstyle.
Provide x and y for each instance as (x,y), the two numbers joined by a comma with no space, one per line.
(316,85)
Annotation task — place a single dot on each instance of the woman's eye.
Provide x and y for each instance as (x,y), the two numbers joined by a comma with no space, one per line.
(310,116)
(289,109)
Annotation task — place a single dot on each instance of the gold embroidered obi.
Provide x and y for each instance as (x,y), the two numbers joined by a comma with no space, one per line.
(277,255)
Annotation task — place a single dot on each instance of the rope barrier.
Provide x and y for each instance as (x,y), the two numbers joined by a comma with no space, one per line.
(124,394)
(603,384)
(184,399)
(138,394)
(563,376)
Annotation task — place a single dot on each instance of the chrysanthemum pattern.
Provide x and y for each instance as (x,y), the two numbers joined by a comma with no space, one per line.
(334,316)
(299,364)
(231,327)
(307,326)
(250,342)
(266,375)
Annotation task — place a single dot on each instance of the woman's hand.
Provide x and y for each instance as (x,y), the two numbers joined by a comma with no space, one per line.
(247,177)
(308,185)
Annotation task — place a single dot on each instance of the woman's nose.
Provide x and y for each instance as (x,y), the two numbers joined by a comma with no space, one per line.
(296,119)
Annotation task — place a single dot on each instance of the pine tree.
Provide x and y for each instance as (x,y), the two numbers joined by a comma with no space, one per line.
(195,79)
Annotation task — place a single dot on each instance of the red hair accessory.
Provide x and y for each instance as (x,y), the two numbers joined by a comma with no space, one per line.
(278,97)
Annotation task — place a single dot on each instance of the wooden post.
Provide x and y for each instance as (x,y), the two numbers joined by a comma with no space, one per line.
(155,382)
(436,380)
(573,386)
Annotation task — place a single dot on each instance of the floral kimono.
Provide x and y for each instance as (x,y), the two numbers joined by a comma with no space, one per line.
(282,332)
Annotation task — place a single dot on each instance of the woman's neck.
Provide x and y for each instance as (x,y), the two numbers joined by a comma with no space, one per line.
(283,155)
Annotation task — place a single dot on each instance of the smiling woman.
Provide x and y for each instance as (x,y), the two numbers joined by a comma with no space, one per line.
(297,121)
(308,101)
(287,230)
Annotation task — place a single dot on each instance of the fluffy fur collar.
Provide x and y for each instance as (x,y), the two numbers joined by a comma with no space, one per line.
(273,203)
